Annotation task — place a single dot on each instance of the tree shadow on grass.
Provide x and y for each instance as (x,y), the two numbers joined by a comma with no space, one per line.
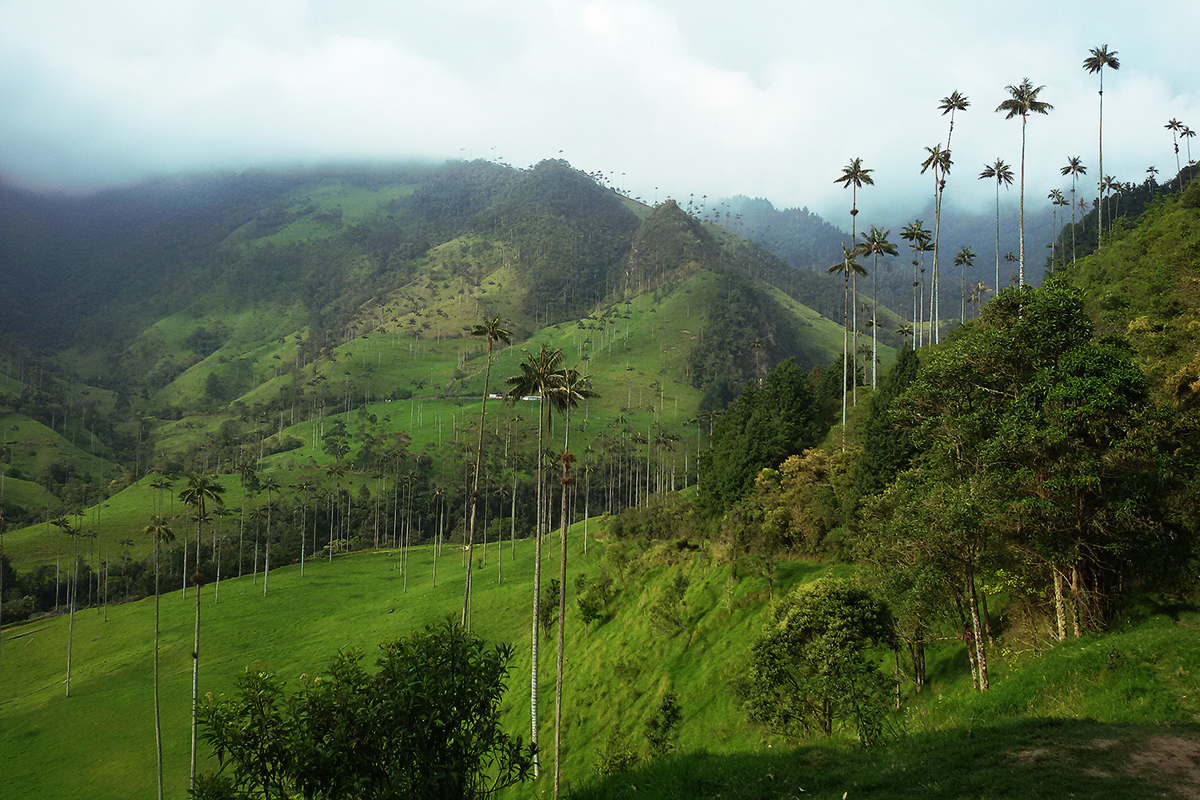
(1029,759)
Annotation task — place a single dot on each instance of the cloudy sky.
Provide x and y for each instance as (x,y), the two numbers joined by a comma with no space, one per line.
(759,97)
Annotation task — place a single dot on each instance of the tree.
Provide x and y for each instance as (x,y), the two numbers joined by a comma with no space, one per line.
(572,388)
(1002,174)
(811,666)
(963,259)
(1023,101)
(917,237)
(425,725)
(197,491)
(269,484)
(1056,198)
(847,266)
(1175,126)
(541,374)
(954,102)
(1187,134)
(854,176)
(1095,63)
(491,330)
(761,429)
(939,160)
(1074,168)
(159,531)
(874,244)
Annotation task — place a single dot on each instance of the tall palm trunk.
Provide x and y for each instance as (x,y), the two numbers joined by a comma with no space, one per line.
(537,589)
(1021,279)
(195,680)
(466,612)
(157,715)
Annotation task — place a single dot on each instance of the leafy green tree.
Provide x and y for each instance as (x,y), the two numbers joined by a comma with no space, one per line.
(661,729)
(1095,63)
(887,448)
(1002,174)
(424,724)
(1023,101)
(761,429)
(811,666)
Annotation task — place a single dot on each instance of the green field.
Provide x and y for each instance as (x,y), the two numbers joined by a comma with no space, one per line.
(1086,711)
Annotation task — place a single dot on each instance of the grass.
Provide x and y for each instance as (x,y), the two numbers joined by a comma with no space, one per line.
(70,748)
(1094,715)
(1029,758)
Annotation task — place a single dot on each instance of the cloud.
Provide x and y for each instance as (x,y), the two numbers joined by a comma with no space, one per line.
(703,97)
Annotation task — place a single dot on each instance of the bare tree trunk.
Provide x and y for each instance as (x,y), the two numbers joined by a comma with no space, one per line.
(980,644)
(1060,609)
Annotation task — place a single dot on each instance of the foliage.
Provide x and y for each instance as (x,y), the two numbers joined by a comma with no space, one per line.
(593,597)
(886,446)
(811,667)
(668,612)
(424,725)
(661,728)
(616,755)
(739,313)
(765,426)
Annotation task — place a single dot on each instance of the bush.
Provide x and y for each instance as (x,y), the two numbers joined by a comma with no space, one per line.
(810,666)
(615,756)
(660,729)
(425,725)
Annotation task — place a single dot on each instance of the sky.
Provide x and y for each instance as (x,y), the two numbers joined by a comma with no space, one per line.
(669,98)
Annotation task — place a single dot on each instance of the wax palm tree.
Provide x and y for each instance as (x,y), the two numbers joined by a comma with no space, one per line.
(1002,174)
(1095,63)
(956,101)
(847,266)
(874,244)
(269,484)
(1175,126)
(160,484)
(965,258)
(540,374)
(306,488)
(1111,185)
(1187,134)
(159,531)
(1054,196)
(492,331)
(939,161)
(854,176)
(199,488)
(1023,101)
(197,582)
(915,234)
(1151,173)
(572,389)
(337,470)
(1057,199)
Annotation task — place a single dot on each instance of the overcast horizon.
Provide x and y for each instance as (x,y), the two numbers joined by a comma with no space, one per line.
(667,98)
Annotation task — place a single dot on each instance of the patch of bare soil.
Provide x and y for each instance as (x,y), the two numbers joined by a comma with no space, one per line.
(1170,760)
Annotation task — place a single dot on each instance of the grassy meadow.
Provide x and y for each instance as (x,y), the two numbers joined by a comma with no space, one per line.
(1103,714)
